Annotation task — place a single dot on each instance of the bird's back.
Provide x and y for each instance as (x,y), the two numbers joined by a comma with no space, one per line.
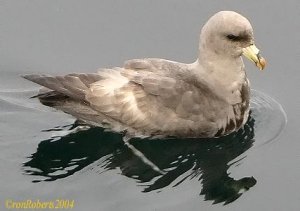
(148,97)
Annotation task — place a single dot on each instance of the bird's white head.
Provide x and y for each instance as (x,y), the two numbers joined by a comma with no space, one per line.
(228,34)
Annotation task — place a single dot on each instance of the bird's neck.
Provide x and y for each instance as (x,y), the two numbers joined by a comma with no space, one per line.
(225,75)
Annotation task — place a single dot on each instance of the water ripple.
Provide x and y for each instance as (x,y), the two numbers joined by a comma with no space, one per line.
(270,118)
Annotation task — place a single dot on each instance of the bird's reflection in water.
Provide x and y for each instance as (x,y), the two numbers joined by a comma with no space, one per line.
(205,160)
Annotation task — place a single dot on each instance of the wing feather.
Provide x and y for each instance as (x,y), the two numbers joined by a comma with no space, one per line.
(72,85)
(143,96)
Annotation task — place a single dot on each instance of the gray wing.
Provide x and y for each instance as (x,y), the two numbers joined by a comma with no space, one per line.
(173,83)
(162,67)
(186,100)
(156,104)
(72,85)
(68,93)
(143,97)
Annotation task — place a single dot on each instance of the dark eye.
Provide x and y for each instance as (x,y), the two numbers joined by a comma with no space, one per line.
(233,37)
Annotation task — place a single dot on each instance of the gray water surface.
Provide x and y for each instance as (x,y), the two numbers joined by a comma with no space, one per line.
(45,155)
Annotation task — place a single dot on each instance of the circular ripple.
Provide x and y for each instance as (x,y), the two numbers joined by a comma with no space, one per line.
(270,118)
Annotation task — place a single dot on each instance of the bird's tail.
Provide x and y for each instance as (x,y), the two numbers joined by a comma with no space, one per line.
(72,85)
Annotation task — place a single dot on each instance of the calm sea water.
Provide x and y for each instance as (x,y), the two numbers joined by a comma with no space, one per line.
(46,156)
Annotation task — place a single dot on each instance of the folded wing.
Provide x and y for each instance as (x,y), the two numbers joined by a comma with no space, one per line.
(141,98)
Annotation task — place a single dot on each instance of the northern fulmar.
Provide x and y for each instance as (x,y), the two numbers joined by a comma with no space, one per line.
(155,97)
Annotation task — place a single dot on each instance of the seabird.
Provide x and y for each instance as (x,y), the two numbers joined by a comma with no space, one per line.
(155,97)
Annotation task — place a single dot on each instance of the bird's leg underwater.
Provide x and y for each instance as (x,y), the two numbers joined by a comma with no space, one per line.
(126,139)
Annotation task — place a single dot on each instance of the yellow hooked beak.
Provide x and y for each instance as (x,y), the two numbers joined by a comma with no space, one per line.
(252,53)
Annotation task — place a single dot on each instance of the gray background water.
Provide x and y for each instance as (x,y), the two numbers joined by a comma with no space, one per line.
(74,36)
